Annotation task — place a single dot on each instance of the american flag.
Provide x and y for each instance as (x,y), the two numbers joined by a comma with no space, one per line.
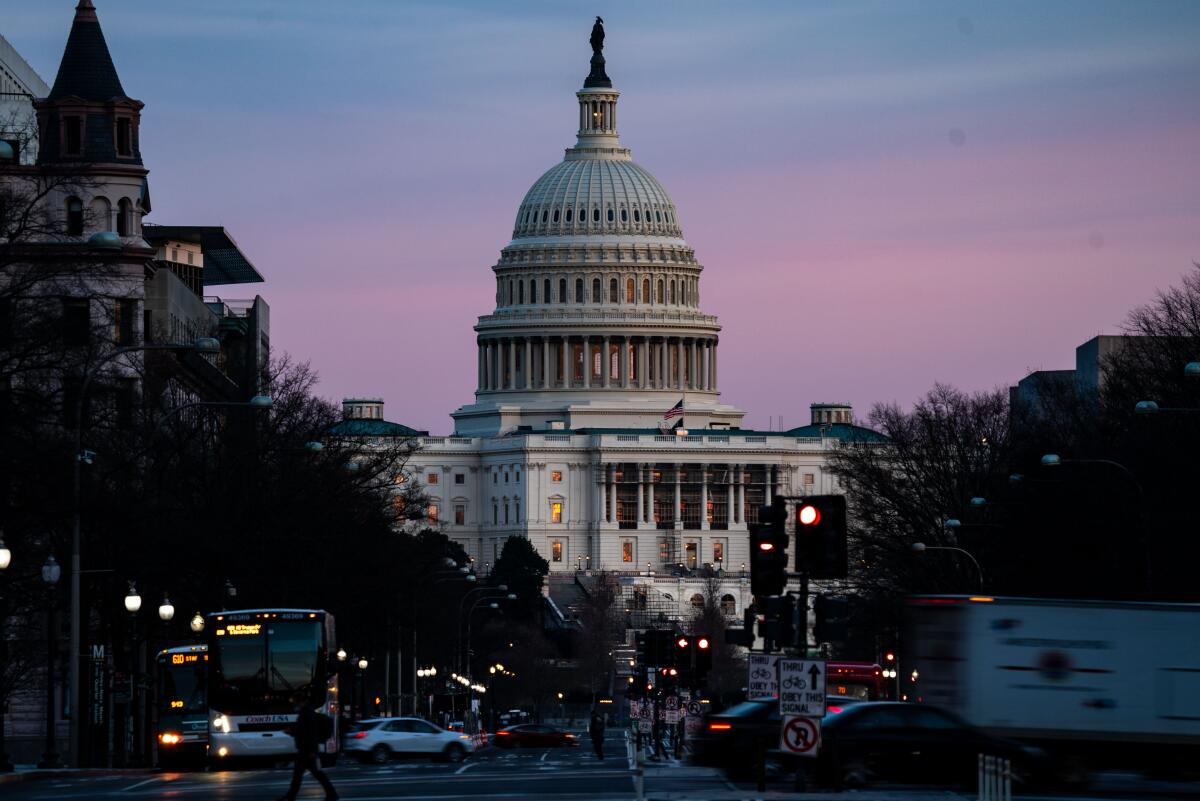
(674,411)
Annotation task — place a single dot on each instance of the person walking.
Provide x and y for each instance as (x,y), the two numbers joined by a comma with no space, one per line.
(596,732)
(309,731)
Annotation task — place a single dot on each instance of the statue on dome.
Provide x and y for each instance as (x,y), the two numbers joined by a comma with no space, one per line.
(597,39)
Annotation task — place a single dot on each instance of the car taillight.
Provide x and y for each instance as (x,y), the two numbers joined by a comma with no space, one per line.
(503,733)
(833,710)
(719,726)
(358,735)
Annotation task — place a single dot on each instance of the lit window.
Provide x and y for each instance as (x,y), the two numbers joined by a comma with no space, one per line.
(460,478)
(556,476)
(460,514)
(809,479)
(718,552)
(433,512)
(432,478)
(645,290)
(556,551)
(630,296)
(556,512)
(627,551)
(664,551)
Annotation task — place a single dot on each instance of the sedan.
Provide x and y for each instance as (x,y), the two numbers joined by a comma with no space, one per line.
(534,735)
(733,738)
(379,739)
(914,742)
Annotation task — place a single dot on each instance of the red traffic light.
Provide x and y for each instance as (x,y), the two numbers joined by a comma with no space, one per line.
(766,546)
(682,642)
(889,656)
(673,672)
(702,643)
(808,515)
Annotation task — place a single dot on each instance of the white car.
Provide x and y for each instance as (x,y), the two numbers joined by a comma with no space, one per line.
(379,739)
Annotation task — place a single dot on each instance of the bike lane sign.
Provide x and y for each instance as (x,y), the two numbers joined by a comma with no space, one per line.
(762,676)
(802,687)
(800,736)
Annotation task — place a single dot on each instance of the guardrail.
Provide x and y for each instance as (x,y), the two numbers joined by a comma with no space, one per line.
(995,778)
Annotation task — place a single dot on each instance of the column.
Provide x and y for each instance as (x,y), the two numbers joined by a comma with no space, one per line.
(612,501)
(694,369)
(641,495)
(623,361)
(681,357)
(704,497)
(644,363)
(528,363)
(546,382)
(702,371)
(511,347)
(678,513)
(650,499)
(769,471)
(566,361)
(598,496)
(730,509)
(663,350)
(587,362)
(491,364)
(480,367)
(606,363)
(741,495)
(715,377)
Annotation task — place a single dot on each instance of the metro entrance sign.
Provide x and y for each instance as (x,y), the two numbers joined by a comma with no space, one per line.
(802,687)
(800,736)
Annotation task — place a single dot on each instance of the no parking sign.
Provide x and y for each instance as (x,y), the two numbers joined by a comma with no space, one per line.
(800,736)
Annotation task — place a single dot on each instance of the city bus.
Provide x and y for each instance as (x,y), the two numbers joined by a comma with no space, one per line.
(262,664)
(182,706)
(862,681)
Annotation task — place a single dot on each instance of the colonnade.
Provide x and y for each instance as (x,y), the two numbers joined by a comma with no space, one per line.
(601,362)
(671,480)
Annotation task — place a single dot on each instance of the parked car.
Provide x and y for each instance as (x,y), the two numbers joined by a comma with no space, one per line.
(379,739)
(914,743)
(533,735)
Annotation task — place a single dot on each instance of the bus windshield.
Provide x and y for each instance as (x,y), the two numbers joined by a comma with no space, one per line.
(259,668)
(182,683)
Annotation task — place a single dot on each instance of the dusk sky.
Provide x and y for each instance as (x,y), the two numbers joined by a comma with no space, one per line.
(884,195)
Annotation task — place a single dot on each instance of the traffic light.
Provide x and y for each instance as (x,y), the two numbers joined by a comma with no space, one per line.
(779,622)
(832,618)
(768,554)
(702,660)
(641,645)
(820,523)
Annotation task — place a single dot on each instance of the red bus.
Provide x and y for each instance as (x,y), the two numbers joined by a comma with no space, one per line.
(862,681)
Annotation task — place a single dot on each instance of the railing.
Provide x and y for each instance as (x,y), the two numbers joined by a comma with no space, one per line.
(995,778)
(628,438)
(557,437)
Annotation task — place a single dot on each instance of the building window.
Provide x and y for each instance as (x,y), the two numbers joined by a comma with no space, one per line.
(637,216)
(556,215)
(809,479)
(521,292)
(630,297)
(672,292)
(123,315)
(517,512)
(596,290)
(431,478)
(74,217)
(460,478)
(433,512)
(72,135)
(579,290)
(556,512)
(612,291)
(506,478)
(697,601)
(645,290)
(495,478)
(728,605)
(495,515)
(124,137)
(718,552)
(624,215)
(568,215)
(660,291)
(691,555)
(517,476)
(611,216)
(510,293)
(562,290)
(556,476)
(76,322)
(533,291)
(664,551)
(460,514)
(546,291)
(544,215)
(556,554)
(627,554)
(506,513)
(596,215)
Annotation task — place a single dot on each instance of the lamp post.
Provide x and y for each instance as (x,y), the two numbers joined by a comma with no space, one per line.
(204,345)
(1053,460)
(920,547)
(51,572)
(5,560)
(362,664)
(493,605)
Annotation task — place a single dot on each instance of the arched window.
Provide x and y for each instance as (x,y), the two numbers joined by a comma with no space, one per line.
(510,293)
(728,605)
(645,290)
(624,215)
(568,215)
(545,214)
(74,216)
(660,291)
(657,216)
(698,601)
(637,216)
(102,214)
(672,291)
(562,290)
(124,217)
(629,292)
(612,291)
(533,291)
(596,214)
(556,215)
(546,291)
(526,216)
(579,290)
(596,290)
(611,215)
(521,292)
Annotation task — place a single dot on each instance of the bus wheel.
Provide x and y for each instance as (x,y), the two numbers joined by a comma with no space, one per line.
(328,760)
(380,754)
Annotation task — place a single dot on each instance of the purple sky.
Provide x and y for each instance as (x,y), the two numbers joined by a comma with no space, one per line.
(884,195)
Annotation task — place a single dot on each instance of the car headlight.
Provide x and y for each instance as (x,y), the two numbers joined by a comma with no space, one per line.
(221,724)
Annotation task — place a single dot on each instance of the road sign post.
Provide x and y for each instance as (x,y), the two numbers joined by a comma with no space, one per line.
(762,678)
(802,687)
(800,736)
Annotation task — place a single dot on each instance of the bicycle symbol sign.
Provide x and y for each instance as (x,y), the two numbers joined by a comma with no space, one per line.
(800,736)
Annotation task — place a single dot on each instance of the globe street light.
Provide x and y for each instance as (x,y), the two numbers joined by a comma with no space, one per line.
(341,654)
(197,623)
(5,554)
(166,610)
(133,601)
(1191,370)
(51,572)
(362,663)
(1145,407)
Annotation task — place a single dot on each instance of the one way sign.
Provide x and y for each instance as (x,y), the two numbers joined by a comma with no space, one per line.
(802,687)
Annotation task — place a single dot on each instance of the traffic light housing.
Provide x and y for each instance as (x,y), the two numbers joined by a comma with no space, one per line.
(820,525)
(702,660)
(779,621)
(768,553)
(832,618)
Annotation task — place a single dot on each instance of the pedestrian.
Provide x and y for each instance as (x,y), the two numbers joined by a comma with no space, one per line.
(596,732)
(309,730)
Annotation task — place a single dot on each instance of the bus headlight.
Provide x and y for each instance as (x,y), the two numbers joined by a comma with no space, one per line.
(169,738)
(221,724)
(222,751)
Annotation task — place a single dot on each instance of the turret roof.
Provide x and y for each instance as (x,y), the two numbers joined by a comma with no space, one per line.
(86,69)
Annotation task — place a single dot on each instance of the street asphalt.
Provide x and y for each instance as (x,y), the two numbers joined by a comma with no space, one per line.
(572,774)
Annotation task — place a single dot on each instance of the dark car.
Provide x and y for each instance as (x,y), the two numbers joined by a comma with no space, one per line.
(733,737)
(893,741)
(533,735)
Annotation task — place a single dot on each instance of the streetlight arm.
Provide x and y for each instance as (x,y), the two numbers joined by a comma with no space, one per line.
(964,552)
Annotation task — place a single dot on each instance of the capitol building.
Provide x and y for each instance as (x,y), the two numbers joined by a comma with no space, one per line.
(598,429)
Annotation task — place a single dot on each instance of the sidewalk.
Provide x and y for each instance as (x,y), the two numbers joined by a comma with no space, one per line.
(31,773)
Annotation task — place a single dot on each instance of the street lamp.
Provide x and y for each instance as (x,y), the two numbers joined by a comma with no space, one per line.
(166,610)
(5,554)
(6,766)
(51,572)
(196,623)
(1145,407)
(133,601)
(1191,370)
(920,547)
(952,524)
(362,663)
(341,654)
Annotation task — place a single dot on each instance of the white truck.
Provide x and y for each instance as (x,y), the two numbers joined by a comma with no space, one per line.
(1094,683)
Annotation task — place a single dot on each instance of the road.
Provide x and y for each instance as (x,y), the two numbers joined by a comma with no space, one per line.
(573,774)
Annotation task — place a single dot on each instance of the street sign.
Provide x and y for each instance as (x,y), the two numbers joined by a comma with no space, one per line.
(672,709)
(802,687)
(762,678)
(643,725)
(694,709)
(800,736)
(634,708)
